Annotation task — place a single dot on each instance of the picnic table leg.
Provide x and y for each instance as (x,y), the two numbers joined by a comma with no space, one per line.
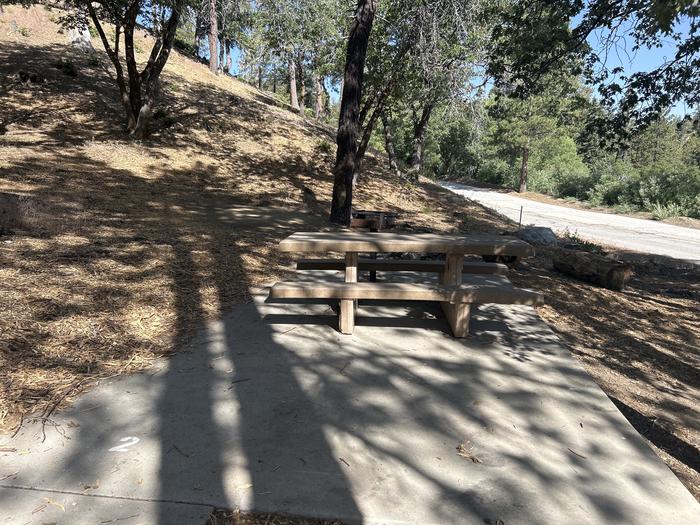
(457,314)
(347,306)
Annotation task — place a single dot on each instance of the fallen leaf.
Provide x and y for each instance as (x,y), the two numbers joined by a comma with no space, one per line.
(52,502)
(466,453)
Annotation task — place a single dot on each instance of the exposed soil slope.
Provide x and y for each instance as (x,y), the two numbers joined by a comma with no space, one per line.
(125,248)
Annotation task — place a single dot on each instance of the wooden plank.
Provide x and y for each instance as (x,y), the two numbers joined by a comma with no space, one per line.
(458,316)
(495,292)
(316,242)
(452,276)
(347,306)
(401,265)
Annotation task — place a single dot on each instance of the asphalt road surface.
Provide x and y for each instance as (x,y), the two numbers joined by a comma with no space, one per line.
(627,233)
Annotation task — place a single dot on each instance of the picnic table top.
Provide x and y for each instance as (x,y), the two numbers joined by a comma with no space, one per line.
(350,241)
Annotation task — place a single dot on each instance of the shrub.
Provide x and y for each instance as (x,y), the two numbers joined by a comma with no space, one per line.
(664,211)
(325,147)
(557,169)
(495,171)
(615,183)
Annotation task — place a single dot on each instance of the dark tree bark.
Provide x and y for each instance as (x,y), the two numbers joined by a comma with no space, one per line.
(198,32)
(260,76)
(293,99)
(348,122)
(138,90)
(389,143)
(419,129)
(302,89)
(523,170)
(213,38)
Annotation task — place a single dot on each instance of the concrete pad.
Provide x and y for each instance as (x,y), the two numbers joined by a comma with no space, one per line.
(274,410)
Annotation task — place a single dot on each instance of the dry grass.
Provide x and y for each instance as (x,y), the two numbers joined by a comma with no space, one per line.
(148,240)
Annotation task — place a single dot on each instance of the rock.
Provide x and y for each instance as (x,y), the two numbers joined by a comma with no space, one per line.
(538,235)
(80,38)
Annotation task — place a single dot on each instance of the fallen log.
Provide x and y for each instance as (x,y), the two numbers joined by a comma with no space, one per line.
(592,268)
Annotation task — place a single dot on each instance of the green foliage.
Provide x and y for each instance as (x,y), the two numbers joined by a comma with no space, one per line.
(615,183)
(325,147)
(557,169)
(665,211)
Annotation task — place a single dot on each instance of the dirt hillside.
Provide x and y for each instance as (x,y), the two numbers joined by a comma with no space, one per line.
(117,250)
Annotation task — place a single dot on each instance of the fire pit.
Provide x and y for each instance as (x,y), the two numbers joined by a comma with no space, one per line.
(373,221)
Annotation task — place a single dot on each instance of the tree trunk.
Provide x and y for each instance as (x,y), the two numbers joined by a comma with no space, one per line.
(213,38)
(302,90)
(318,98)
(151,73)
(293,99)
(222,53)
(229,60)
(592,268)
(348,122)
(523,170)
(260,76)
(419,129)
(198,30)
(389,144)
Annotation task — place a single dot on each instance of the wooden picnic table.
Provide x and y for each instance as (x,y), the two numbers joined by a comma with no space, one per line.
(455,247)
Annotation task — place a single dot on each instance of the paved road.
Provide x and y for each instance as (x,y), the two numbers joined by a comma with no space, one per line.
(613,230)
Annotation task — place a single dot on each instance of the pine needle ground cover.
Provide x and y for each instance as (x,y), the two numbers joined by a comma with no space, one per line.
(121,250)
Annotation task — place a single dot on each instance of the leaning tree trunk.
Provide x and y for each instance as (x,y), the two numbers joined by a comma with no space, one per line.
(523,171)
(293,99)
(213,38)
(348,122)
(419,130)
(389,144)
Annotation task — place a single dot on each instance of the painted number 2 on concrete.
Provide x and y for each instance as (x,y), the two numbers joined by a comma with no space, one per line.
(127,442)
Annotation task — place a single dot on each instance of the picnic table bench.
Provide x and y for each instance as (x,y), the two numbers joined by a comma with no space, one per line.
(460,285)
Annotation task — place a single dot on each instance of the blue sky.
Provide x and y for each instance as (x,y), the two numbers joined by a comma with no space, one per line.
(621,54)
(643,59)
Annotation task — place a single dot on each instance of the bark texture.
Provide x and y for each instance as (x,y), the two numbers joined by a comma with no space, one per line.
(318,97)
(420,127)
(293,98)
(523,170)
(592,268)
(389,144)
(302,89)
(213,38)
(348,122)
(138,90)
